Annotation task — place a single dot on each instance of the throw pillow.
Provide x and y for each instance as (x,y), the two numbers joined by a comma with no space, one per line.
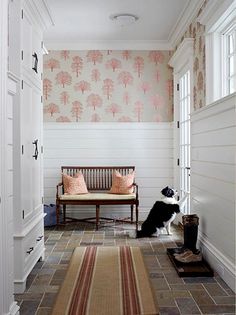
(122,184)
(74,185)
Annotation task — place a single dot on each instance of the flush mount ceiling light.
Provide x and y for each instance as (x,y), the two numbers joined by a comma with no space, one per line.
(124,19)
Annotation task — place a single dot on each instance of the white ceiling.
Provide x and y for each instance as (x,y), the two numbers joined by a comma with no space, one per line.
(82,23)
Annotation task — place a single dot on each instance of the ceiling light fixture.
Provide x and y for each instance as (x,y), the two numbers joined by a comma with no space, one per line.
(124,19)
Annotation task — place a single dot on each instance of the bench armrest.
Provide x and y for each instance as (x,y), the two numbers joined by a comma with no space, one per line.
(58,185)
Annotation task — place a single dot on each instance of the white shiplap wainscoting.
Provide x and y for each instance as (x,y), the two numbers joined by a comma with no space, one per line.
(213,183)
(147,146)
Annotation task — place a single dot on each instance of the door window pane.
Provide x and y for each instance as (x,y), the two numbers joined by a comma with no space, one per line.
(184,103)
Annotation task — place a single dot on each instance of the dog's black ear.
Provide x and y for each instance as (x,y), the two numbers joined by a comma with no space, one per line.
(167,192)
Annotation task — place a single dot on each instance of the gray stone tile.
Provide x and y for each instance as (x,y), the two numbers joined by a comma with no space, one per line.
(48,300)
(225,300)
(199,280)
(173,279)
(217,309)
(214,289)
(201,297)
(187,306)
(43,288)
(165,298)
(29,307)
(153,275)
(160,284)
(186,286)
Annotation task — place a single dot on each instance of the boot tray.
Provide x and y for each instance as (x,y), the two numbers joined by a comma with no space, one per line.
(192,269)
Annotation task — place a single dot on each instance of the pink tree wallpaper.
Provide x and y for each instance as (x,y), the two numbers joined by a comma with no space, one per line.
(196,31)
(108,86)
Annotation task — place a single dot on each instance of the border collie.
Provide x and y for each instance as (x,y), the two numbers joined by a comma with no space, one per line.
(162,213)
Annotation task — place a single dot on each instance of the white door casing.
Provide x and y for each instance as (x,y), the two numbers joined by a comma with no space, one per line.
(181,61)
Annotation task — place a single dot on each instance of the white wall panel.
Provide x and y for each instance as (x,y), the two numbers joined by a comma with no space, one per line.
(214,171)
(147,146)
(213,187)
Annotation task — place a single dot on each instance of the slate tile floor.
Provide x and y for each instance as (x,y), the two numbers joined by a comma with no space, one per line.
(174,295)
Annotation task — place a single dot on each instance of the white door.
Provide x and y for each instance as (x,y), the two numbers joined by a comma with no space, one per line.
(184,137)
(182,63)
(31,180)
(31,119)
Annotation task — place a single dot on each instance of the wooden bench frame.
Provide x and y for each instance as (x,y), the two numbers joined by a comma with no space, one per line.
(98,179)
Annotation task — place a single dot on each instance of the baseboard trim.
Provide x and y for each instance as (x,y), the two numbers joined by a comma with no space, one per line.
(221,264)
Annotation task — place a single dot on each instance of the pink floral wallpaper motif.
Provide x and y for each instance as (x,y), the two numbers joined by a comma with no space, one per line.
(108,86)
(196,31)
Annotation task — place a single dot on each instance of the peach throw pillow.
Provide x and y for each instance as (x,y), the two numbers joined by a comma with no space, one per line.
(122,184)
(74,185)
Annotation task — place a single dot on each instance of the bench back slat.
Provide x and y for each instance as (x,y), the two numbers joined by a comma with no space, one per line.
(97,177)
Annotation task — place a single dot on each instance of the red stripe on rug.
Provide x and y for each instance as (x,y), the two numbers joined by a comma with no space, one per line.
(129,288)
(80,296)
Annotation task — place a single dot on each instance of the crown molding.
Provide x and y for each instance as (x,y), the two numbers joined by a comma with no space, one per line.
(182,54)
(41,13)
(216,12)
(108,45)
(187,16)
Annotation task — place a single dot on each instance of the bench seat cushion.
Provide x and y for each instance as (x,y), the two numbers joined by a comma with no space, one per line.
(97,196)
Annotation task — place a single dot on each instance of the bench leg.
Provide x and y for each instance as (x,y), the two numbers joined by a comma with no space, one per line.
(132,213)
(97,216)
(64,213)
(136,210)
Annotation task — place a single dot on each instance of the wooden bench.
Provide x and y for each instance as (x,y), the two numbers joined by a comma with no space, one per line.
(99,182)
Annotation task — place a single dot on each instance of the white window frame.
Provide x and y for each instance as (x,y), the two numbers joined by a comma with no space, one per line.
(218,16)
(226,55)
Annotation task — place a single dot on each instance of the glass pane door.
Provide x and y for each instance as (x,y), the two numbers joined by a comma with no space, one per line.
(184,125)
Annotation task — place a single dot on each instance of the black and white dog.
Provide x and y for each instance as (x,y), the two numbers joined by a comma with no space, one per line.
(162,213)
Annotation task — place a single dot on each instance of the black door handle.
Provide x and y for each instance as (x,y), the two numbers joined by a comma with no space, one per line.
(36,152)
(35,63)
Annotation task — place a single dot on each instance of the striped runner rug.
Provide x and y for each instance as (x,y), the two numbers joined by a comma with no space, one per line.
(106,281)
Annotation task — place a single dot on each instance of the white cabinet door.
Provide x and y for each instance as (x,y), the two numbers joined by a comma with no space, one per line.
(31,179)
(26,41)
(31,47)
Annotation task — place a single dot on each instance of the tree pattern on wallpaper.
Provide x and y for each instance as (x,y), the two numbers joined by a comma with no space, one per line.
(196,31)
(108,86)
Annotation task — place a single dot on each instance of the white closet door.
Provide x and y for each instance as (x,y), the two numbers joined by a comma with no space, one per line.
(26,40)
(31,179)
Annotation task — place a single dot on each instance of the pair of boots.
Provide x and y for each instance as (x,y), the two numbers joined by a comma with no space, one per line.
(189,252)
